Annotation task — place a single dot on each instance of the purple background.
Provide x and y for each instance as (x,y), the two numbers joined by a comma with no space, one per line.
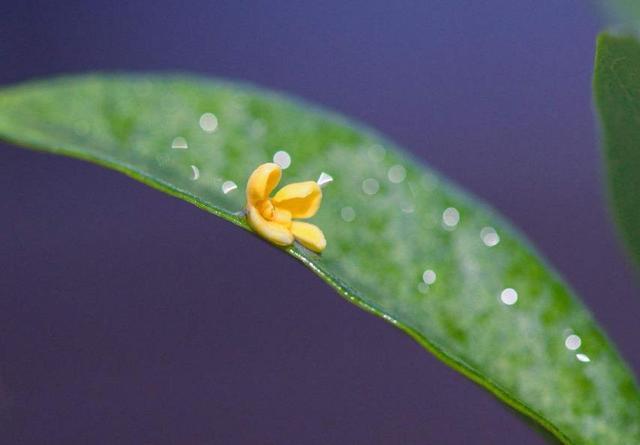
(129,317)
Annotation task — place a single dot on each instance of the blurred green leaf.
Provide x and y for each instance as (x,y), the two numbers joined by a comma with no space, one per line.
(617,94)
(626,12)
(403,243)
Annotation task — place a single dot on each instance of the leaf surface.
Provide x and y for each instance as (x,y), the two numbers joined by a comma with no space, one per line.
(617,93)
(625,12)
(403,243)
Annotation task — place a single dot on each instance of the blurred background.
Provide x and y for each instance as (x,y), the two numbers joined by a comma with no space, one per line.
(130,317)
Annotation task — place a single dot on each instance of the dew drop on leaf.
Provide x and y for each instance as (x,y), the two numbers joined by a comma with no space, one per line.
(179,143)
(196,173)
(376,153)
(572,342)
(408,207)
(370,186)
(348,214)
(324,179)
(283,159)
(451,217)
(228,186)
(397,173)
(208,122)
(429,276)
(583,358)
(489,236)
(509,296)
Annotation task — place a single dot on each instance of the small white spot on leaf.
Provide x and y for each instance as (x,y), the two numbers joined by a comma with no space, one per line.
(208,122)
(450,217)
(282,158)
(324,179)
(509,296)
(396,174)
(348,214)
(179,143)
(370,186)
(228,186)
(196,173)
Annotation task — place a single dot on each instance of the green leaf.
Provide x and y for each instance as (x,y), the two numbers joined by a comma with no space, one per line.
(625,12)
(387,220)
(616,88)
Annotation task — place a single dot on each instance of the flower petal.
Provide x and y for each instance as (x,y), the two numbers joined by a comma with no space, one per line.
(271,231)
(262,181)
(282,216)
(309,236)
(302,199)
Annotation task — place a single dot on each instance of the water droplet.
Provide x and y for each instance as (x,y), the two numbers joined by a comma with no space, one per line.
(348,214)
(509,296)
(583,358)
(489,236)
(208,122)
(370,186)
(228,186)
(179,143)
(282,158)
(196,173)
(451,217)
(423,288)
(376,153)
(389,319)
(324,179)
(408,207)
(573,342)
(397,173)
(429,276)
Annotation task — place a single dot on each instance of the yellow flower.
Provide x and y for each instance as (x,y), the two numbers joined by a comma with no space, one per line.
(272,218)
